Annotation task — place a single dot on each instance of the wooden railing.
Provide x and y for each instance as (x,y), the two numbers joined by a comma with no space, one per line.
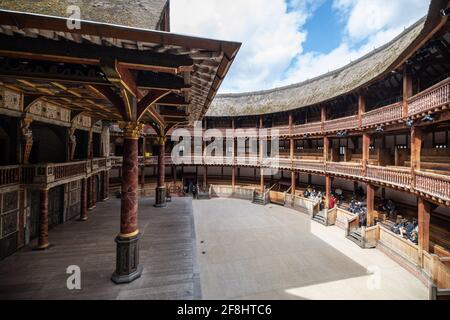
(353,169)
(430,99)
(9,175)
(67,170)
(386,114)
(435,185)
(395,176)
(308,128)
(309,165)
(398,245)
(282,131)
(342,124)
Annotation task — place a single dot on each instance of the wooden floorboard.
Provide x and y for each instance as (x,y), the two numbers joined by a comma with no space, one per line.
(167,253)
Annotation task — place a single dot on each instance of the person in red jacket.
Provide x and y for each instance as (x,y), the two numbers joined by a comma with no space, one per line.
(332,202)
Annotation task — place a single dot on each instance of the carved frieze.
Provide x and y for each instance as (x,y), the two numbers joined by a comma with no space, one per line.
(50,111)
(83,121)
(10,100)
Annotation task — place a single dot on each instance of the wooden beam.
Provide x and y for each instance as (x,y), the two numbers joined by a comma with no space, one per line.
(51,50)
(149,100)
(112,97)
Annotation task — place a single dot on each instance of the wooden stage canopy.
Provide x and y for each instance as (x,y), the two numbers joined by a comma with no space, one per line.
(112,72)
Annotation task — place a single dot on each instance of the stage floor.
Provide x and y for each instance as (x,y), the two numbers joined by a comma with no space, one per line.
(167,253)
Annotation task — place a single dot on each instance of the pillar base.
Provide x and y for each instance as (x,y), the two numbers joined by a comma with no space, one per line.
(84,219)
(92,208)
(127,260)
(160,197)
(104,200)
(42,248)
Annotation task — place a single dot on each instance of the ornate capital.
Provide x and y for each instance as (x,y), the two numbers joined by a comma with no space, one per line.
(131,130)
(161,141)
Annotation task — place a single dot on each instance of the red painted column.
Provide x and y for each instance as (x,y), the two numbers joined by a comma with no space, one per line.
(84,204)
(127,260)
(43,242)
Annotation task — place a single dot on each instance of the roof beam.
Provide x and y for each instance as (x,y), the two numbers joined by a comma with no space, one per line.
(64,51)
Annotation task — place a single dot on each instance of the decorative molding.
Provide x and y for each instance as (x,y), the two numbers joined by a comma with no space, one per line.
(131,130)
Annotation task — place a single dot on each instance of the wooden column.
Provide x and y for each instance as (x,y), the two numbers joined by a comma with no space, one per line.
(323,116)
(424,214)
(160,200)
(174,174)
(233,178)
(105,186)
(370,205)
(262,180)
(205,178)
(361,106)
(26,136)
(326,148)
(328,184)
(366,150)
(84,204)
(407,89)
(416,147)
(143,180)
(293,182)
(127,259)
(43,242)
(90,153)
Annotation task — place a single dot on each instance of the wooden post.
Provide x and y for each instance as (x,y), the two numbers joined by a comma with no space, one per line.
(205,178)
(370,205)
(407,89)
(43,242)
(262,180)
(323,116)
(84,205)
(366,151)
(361,107)
(424,213)
(326,147)
(233,178)
(328,183)
(160,199)
(416,148)
(293,182)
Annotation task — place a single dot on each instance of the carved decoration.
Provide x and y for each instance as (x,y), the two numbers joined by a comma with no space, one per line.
(27,139)
(131,130)
(10,100)
(72,143)
(50,111)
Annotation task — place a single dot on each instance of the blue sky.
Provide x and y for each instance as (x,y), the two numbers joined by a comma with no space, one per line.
(288,41)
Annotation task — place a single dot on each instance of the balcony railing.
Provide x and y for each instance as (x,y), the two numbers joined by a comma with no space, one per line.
(348,169)
(430,99)
(390,113)
(342,124)
(435,185)
(307,128)
(309,165)
(9,175)
(395,176)
(67,170)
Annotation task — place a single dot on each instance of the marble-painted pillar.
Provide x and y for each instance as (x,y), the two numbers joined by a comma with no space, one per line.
(127,259)
(43,242)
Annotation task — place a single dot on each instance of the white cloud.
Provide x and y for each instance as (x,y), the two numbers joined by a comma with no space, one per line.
(273,33)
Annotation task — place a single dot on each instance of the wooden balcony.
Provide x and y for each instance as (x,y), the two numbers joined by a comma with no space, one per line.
(434,185)
(308,128)
(431,99)
(346,123)
(309,165)
(345,169)
(9,175)
(54,174)
(388,114)
(400,177)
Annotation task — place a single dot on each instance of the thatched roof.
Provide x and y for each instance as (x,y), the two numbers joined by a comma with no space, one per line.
(137,13)
(320,89)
